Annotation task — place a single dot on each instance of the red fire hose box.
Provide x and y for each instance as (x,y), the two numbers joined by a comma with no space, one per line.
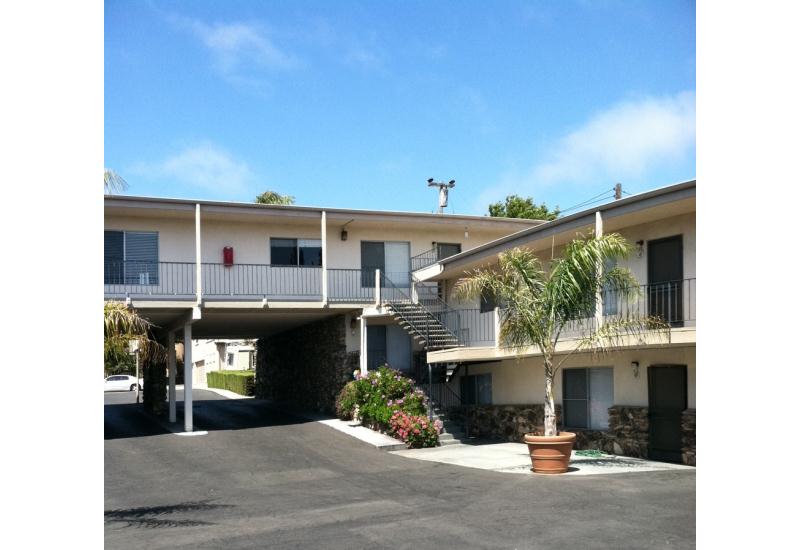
(227,256)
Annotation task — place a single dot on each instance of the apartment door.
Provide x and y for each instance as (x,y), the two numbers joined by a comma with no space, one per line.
(665,279)
(398,263)
(667,400)
(376,346)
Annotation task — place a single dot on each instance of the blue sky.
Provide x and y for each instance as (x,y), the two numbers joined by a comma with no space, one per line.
(356,104)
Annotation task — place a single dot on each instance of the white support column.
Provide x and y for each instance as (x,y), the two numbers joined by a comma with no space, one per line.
(598,308)
(187,377)
(377,288)
(171,366)
(324,234)
(362,358)
(198,255)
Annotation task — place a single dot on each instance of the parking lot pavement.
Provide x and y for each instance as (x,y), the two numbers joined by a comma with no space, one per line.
(263,478)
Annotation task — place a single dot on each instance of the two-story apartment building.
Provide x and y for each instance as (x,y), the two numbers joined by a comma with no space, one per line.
(327,291)
(311,283)
(638,400)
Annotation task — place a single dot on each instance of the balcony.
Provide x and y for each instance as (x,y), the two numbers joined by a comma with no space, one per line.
(178,281)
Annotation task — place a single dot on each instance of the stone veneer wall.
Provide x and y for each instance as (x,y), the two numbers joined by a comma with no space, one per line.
(688,450)
(627,434)
(508,422)
(306,366)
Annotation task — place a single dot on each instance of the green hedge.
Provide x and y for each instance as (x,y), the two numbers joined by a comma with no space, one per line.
(237,381)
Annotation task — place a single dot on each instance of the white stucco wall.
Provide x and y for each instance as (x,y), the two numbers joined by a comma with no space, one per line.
(522,381)
(251,240)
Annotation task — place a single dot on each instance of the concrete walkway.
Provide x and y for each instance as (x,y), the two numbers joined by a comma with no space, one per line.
(513,458)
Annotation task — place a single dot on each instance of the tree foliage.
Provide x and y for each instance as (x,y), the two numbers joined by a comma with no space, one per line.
(113,182)
(121,325)
(540,303)
(518,207)
(272,197)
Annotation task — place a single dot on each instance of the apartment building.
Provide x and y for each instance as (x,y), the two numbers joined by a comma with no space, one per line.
(311,284)
(328,291)
(638,400)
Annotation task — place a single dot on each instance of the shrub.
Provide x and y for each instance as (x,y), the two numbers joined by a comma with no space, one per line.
(346,401)
(415,430)
(237,381)
(381,396)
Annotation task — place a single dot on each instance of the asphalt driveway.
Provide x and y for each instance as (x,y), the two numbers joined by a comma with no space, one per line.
(266,479)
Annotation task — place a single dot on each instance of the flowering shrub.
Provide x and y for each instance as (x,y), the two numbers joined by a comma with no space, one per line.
(346,402)
(415,430)
(378,396)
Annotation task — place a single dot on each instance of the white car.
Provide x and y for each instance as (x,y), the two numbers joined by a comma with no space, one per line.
(121,382)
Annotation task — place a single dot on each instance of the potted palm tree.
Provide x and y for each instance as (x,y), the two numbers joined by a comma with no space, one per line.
(539,304)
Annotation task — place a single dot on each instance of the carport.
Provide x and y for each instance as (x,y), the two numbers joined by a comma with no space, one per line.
(223,320)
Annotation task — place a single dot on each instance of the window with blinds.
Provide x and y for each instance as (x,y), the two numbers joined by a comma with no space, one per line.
(131,257)
(588,394)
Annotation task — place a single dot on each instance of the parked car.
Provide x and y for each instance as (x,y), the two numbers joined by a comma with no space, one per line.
(121,382)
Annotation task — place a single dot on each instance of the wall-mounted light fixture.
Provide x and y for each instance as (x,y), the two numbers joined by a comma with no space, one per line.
(635,367)
(353,324)
(639,248)
(466,232)
(344,231)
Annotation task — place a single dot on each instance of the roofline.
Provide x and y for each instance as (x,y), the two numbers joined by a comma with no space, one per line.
(315,209)
(620,203)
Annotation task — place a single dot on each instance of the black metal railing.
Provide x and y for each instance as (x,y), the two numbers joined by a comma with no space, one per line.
(351,285)
(429,257)
(269,281)
(674,302)
(158,279)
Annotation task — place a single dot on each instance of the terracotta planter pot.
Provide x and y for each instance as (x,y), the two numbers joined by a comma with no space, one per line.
(550,454)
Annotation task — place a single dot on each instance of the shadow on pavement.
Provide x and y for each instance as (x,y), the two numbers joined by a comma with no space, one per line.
(210,413)
(151,517)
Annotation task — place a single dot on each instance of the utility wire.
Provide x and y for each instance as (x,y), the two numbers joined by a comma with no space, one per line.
(597,198)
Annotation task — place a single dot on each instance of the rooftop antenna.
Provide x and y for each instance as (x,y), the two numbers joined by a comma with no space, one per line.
(444,188)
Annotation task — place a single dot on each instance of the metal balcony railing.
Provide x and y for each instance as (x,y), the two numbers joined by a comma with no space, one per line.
(429,257)
(674,302)
(149,279)
(262,280)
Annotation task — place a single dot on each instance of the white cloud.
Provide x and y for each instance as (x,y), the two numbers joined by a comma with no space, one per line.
(624,141)
(204,165)
(240,51)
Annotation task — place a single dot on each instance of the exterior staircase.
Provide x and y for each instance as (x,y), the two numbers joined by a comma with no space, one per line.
(423,325)
(452,430)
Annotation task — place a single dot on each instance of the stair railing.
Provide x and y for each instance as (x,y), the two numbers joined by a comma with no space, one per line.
(447,318)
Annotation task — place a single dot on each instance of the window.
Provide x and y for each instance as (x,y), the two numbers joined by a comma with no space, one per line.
(392,258)
(295,252)
(131,257)
(230,359)
(445,250)
(588,393)
(476,389)
(488,302)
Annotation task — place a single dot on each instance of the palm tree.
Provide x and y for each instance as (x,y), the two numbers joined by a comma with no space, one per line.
(539,304)
(113,182)
(121,325)
(271,197)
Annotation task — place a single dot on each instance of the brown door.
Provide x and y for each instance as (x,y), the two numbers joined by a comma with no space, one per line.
(667,398)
